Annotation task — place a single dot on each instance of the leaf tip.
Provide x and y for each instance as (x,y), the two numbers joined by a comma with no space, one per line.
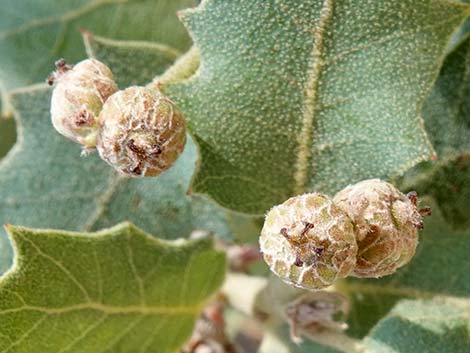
(86,34)
(11,229)
(184,15)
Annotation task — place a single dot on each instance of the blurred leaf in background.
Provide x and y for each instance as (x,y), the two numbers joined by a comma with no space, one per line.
(33,34)
(7,135)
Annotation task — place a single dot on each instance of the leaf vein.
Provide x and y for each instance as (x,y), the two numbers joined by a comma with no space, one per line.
(59,265)
(110,310)
(311,97)
(85,332)
(25,335)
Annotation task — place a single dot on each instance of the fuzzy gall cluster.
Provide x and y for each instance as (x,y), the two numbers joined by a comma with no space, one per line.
(369,229)
(138,131)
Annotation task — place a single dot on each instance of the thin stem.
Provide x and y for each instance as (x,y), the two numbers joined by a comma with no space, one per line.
(182,69)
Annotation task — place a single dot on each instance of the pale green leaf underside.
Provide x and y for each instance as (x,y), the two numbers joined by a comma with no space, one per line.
(33,34)
(119,290)
(310,95)
(433,326)
(45,183)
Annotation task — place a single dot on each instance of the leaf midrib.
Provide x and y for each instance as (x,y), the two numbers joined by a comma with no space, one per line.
(311,99)
(311,104)
(110,309)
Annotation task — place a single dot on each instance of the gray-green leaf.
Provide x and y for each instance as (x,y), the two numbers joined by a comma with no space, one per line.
(118,290)
(447,117)
(310,95)
(35,33)
(431,326)
(447,110)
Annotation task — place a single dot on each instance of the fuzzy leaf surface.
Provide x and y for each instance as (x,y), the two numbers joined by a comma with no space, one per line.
(431,326)
(309,95)
(118,290)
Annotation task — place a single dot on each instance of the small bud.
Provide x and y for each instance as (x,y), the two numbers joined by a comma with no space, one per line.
(387,224)
(315,312)
(78,97)
(309,242)
(209,334)
(142,133)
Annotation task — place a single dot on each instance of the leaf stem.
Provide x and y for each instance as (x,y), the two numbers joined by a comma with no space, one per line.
(182,69)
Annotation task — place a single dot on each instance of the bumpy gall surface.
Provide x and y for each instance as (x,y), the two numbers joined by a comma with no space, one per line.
(78,96)
(309,242)
(142,133)
(387,224)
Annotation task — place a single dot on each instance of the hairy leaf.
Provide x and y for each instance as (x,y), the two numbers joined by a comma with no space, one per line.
(432,326)
(311,95)
(118,290)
